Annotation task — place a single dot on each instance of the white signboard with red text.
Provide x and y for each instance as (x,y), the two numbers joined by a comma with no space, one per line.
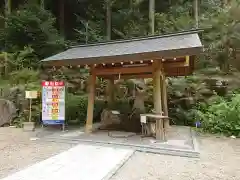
(53,102)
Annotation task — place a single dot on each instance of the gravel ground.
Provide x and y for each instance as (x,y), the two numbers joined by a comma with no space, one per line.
(220,160)
(18,152)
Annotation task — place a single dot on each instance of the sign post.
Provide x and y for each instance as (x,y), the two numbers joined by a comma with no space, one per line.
(53,103)
(30,95)
(30,126)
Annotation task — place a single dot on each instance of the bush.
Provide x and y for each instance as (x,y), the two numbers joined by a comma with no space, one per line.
(221,115)
(24,76)
(76,109)
(24,58)
(17,96)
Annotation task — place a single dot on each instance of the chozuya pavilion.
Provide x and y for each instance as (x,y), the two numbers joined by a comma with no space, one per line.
(154,57)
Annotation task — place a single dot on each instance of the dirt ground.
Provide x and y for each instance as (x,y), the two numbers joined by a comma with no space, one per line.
(220,159)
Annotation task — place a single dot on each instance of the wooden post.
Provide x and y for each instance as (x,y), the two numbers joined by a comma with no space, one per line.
(157,98)
(110,93)
(91,97)
(30,110)
(164,100)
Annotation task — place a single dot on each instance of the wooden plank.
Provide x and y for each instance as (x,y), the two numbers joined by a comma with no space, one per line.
(126,76)
(155,116)
(169,72)
(177,64)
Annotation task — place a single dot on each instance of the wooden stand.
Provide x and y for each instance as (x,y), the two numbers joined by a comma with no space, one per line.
(157,117)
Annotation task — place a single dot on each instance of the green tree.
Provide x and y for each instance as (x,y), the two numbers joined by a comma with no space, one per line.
(222,39)
(33,26)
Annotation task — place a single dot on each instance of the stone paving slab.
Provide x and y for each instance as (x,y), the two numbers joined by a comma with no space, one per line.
(83,162)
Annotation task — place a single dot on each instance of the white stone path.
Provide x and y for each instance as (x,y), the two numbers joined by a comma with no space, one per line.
(83,162)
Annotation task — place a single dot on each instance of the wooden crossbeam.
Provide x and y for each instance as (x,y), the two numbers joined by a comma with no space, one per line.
(172,64)
(136,70)
(143,71)
(128,76)
(123,70)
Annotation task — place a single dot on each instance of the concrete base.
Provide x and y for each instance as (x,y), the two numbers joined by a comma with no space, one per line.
(28,126)
(181,141)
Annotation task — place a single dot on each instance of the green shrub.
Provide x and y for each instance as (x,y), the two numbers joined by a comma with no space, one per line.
(221,115)
(24,76)
(181,116)
(76,109)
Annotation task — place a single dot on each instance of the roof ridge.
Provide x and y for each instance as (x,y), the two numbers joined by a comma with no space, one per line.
(140,38)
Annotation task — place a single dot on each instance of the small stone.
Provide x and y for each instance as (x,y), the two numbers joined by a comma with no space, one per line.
(153,141)
(34,139)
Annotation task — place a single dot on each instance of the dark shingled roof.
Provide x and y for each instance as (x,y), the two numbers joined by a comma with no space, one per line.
(154,47)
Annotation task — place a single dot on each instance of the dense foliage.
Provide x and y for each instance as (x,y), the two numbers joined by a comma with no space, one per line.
(220,115)
(31,26)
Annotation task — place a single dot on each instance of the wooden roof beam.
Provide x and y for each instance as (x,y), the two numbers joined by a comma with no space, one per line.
(128,76)
(123,70)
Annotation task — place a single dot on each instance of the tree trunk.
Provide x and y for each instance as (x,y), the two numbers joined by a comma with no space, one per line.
(86,27)
(42,4)
(108,18)
(7,7)
(131,3)
(110,85)
(62,16)
(7,12)
(152,16)
(225,3)
(195,7)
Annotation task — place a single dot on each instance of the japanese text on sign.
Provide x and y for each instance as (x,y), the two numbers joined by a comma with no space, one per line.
(53,102)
